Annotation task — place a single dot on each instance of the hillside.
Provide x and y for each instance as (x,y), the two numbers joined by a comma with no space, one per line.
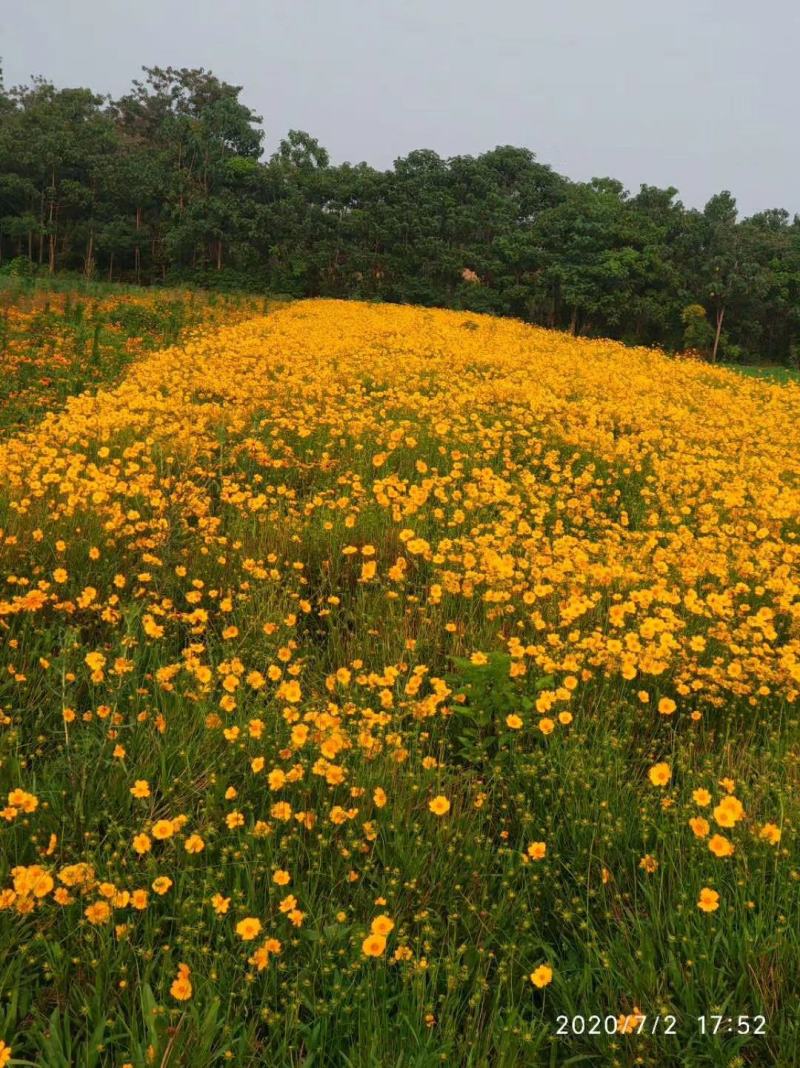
(392,681)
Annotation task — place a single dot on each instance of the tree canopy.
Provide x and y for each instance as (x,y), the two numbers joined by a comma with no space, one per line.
(170,183)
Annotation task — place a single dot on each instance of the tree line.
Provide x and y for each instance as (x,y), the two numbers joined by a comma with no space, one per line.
(169,183)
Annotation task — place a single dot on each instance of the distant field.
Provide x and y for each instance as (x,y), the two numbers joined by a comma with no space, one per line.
(771,374)
(391,686)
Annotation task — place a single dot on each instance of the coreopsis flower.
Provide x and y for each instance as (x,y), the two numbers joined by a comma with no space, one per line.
(720,846)
(373,945)
(22,800)
(771,833)
(181,988)
(629,1023)
(194,844)
(542,976)
(708,900)
(220,904)
(659,774)
(248,928)
(261,956)
(382,925)
(98,913)
(142,844)
(729,811)
(700,827)
(439,805)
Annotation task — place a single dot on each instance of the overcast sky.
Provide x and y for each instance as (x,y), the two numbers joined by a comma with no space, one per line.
(699,94)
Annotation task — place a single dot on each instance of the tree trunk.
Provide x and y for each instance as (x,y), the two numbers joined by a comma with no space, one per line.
(137,255)
(219,255)
(111,267)
(573,323)
(88,267)
(720,317)
(51,263)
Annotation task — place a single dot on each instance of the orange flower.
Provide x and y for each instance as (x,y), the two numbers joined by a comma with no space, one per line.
(382,925)
(708,900)
(373,945)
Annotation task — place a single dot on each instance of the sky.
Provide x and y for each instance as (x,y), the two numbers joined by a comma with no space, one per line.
(698,94)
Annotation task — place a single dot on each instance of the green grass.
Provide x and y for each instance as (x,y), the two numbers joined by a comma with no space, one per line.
(770,374)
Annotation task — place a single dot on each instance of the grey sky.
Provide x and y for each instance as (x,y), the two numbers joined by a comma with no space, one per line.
(700,94)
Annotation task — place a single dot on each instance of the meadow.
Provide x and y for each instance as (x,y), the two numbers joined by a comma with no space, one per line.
(393,686)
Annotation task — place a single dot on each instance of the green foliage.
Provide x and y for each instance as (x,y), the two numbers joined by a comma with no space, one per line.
(167,184)
(485,696)
(697,333)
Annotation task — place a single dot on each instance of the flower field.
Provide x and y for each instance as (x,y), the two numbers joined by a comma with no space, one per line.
(55,342)
(384,685)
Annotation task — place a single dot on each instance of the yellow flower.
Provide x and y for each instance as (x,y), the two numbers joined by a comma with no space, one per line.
(537,850)
(162,884)
(542,976)
(513,721)
(98,913)
(439,805)
(701,797)
(141,788)
(771,833)
(194,844)
(659,774)
(162,829)
(729,811)
(248,928)
(142,843)
(720,846)
(282,878)
(220,904)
